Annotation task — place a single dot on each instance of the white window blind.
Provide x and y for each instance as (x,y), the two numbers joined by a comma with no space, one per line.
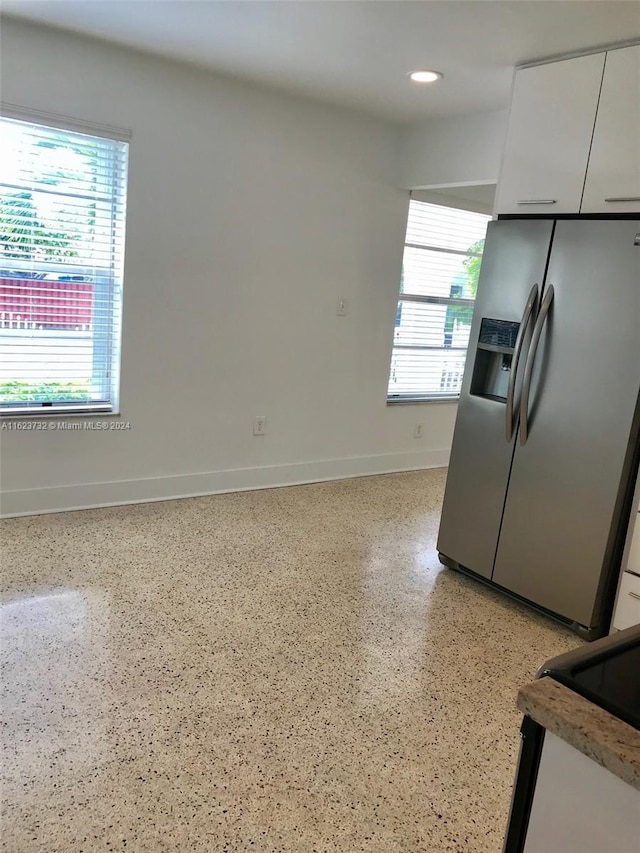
(441,261)
(62,221)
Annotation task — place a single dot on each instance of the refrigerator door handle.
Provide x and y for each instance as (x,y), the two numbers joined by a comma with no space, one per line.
(527,314)
(528,370)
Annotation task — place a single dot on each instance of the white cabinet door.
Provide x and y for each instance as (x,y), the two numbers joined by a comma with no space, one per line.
(553,112)
(633,561)
(627,612)
(613,173)
(579,807)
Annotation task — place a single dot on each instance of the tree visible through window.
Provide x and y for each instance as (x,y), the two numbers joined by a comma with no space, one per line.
(62,212)
(439,281)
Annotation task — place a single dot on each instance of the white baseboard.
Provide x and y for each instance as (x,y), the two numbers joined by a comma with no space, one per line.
(91,495)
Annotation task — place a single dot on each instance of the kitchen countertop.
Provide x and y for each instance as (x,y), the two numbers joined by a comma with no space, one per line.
(593,731)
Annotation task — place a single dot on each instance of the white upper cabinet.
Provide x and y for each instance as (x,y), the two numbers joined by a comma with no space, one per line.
(553,111)
(613,175)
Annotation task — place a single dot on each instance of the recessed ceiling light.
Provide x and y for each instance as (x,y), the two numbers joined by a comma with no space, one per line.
(425,76)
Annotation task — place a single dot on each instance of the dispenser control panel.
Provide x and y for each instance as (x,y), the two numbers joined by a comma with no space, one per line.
(498,333)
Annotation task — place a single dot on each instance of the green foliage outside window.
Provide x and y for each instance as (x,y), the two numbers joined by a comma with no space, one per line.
(25,392)
(23,236)
(464,286)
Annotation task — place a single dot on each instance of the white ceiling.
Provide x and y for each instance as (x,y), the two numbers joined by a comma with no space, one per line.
(355,52)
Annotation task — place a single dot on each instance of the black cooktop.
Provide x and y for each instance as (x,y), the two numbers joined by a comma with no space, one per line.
(610,679)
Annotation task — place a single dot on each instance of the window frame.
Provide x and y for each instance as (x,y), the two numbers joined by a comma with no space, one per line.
(108,280)
(412,399)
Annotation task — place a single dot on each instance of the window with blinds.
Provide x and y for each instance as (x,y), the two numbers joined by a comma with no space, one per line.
(62,221)
(441,262)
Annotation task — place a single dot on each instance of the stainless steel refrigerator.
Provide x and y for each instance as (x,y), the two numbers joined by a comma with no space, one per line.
(546,438)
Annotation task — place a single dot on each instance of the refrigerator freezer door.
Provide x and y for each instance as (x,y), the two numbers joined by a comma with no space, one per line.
(514,259)
(559,519)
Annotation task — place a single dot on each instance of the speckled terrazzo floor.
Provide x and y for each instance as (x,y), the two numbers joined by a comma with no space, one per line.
(284,670)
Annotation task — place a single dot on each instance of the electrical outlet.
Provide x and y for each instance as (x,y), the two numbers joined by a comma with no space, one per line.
(417,431)
(341,308)
(259,425)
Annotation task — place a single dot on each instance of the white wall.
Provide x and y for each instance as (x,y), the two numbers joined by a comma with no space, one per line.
(453,151)
(249,215)
(479,198)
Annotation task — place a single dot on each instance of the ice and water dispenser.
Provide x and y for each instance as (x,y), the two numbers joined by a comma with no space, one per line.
(494,352)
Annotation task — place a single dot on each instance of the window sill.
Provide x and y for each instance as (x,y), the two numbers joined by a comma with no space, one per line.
(412,401)
(56,411)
